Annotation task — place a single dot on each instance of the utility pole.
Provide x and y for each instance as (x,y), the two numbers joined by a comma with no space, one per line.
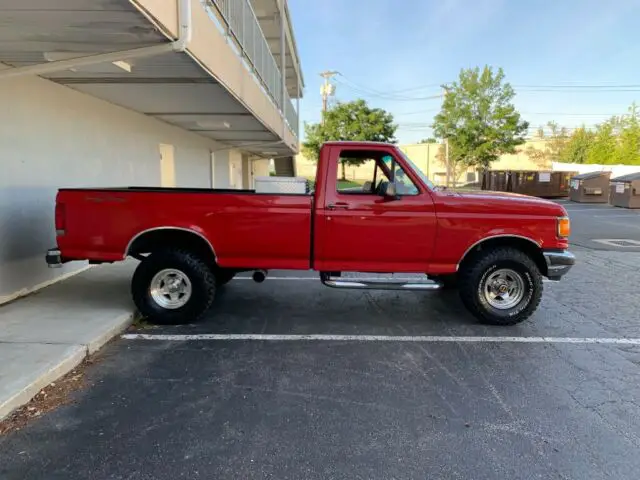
(327,90)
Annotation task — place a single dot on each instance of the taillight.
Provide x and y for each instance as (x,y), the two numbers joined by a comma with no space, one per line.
(564,227)
(61,219)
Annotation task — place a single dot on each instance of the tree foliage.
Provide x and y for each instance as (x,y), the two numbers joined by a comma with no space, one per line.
(603,148)
(428,140)
(616,141)
(349,121)
(628,146)
(479,119)
(578,145)
(555,144)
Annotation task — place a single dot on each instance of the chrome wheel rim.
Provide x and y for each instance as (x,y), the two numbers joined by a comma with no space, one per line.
(504,289)
(170,288)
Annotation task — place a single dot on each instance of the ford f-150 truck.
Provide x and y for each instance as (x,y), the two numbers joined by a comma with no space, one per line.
(495,248)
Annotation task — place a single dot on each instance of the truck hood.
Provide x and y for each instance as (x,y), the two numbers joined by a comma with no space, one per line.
(505,201)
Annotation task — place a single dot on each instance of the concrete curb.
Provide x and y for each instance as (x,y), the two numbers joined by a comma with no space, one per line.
(70,359)
(119,325)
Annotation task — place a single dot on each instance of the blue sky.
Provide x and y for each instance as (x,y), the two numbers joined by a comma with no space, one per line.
(392,45)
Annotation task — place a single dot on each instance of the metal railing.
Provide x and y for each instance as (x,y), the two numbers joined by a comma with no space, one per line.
(291,114)
(243,25)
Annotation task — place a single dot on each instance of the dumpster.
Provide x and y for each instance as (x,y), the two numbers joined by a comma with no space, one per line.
(533,182)
(591,187)
(625,191)
(496,181)
(542,184)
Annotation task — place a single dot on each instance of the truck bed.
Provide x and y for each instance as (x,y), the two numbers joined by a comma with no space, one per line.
(245,229)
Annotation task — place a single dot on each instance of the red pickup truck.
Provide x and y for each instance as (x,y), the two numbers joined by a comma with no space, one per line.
(494,247)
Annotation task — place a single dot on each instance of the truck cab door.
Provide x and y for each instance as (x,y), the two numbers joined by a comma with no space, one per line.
(358,228)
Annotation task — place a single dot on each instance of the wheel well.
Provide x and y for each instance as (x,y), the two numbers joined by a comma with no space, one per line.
(522,244)
(164,238)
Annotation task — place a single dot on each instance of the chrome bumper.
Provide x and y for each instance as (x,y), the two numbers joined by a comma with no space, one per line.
(559,262)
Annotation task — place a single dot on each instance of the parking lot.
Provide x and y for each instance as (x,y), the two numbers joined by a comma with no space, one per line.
(599,226)
(291,380)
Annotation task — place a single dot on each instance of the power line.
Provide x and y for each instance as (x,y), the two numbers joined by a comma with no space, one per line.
(578,86)
(610,87)
(386,96)
(387,92)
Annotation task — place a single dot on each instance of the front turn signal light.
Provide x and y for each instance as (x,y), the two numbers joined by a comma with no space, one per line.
(564,227)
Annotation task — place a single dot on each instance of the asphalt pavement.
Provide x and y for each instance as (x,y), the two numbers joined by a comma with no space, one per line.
(603,227)
(402,385)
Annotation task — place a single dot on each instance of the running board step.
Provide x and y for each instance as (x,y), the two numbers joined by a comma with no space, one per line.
(357,284)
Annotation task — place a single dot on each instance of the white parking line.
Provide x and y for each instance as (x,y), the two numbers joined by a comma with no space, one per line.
(377,338)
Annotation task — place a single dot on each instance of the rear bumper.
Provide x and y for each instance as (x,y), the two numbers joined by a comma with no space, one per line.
(54,258)
(559,262)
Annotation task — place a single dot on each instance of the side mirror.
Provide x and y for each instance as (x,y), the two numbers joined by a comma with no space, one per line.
(390,190)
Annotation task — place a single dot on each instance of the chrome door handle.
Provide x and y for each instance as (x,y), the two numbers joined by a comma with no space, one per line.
(336,206)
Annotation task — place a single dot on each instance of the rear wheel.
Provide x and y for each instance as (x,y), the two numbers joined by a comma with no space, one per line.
(501,286)
(173,287)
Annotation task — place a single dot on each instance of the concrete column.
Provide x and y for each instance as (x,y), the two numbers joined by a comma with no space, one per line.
(235,169)
(221,169)
(246,173)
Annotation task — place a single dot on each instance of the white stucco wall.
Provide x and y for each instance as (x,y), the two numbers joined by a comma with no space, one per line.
(261,168)
(51,137)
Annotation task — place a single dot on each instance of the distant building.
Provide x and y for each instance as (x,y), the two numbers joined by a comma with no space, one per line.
(426,157)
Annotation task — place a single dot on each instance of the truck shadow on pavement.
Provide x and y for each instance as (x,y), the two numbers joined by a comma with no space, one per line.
(308,308)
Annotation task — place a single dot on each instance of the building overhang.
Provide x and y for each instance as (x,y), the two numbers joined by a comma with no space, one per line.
(220,101)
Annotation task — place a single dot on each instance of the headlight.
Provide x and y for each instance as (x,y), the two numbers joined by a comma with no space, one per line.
(564,227)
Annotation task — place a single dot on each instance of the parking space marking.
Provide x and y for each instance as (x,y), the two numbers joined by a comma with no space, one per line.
(618,242)
(375,338)
(617,215)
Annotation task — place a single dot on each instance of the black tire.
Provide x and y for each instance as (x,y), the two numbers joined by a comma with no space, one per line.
(449,282)
(199,275)
(478,270)
(223,276)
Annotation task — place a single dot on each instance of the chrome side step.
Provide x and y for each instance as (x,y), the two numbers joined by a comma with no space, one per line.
(358,284)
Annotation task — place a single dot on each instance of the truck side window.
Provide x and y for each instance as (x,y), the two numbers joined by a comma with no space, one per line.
(362,172)
(358,174)
(404,185)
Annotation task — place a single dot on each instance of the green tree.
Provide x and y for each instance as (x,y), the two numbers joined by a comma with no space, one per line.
(428,140)
(605,143)
(554,145)
(349,121)
(628,147)
(479,119)
(577,147)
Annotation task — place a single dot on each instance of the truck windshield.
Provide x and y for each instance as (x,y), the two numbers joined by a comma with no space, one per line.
(419,172)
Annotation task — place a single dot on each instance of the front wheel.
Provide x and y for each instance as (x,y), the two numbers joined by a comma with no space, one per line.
(173,287)
(501,286)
